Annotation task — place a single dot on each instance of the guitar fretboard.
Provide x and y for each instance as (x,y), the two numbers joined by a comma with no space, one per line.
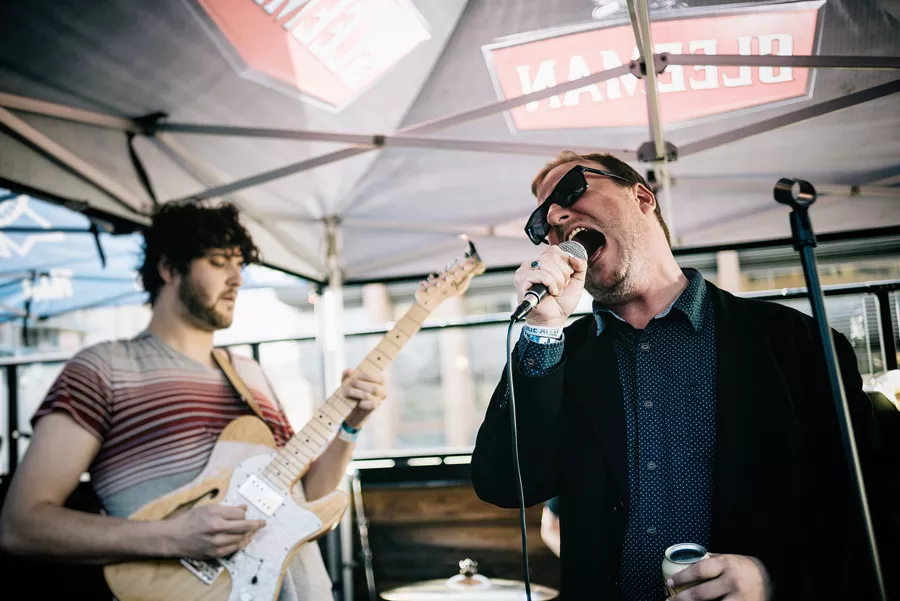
(294,458)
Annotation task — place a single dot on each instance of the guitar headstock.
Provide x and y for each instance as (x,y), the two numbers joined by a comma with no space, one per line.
(453,281)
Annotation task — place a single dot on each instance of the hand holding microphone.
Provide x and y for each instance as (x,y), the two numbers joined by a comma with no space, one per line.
(550,287)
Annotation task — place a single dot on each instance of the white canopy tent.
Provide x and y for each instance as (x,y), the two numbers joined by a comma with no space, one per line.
(374,174)
(426,152)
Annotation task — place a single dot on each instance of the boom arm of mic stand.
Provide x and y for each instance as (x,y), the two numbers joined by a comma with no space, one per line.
(804,241)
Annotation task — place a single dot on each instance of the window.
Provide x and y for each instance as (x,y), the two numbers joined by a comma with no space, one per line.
(856,317)
(295,371)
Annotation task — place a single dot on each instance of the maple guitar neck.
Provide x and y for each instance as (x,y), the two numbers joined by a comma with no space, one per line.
(294,458)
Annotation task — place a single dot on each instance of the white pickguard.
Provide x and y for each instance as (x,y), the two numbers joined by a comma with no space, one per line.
(255,570)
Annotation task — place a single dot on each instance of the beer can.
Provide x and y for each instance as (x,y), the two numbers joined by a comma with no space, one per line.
(677,558)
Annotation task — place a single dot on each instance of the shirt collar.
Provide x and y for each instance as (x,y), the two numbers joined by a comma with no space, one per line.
(690,302)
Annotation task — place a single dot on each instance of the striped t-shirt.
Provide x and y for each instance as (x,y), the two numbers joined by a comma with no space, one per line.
(155,411)
(157,414)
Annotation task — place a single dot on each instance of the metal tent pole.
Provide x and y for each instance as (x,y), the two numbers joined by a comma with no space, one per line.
(640,22)
(339,543)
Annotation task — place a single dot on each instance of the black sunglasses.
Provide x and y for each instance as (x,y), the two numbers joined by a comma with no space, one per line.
(568,189)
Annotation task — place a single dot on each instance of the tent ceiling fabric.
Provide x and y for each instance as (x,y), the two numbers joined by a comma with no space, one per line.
(401,209)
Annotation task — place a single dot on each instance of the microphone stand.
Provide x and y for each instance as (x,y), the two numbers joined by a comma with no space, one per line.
(362,524)
(804,241)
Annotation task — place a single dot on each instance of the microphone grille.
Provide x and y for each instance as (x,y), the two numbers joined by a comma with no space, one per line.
(570,247)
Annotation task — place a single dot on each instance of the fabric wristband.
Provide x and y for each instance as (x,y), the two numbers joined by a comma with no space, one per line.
(542,335)
(348,433)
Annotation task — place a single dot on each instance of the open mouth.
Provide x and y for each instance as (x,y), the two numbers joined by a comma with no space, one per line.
(593,242)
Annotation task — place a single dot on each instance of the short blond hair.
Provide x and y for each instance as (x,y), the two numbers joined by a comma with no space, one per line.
(609,163)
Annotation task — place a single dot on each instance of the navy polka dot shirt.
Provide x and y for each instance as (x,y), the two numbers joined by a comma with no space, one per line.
(668,373)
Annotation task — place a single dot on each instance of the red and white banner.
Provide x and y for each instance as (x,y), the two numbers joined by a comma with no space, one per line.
(329,50)
(686,92)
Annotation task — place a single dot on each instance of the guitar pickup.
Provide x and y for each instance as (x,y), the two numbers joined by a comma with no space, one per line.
(261,495)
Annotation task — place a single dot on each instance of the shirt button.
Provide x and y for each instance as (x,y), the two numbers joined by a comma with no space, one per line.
(529,362)
(651,466)
(648,404)
(651,531)
(645,346)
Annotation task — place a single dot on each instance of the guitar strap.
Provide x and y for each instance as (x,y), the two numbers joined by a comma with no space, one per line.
(221,357)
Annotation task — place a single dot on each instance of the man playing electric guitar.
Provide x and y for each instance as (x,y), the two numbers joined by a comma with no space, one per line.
(142,417)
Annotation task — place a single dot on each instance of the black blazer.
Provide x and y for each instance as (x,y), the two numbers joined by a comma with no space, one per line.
(782,488)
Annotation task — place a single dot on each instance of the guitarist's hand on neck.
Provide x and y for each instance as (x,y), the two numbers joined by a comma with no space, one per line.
(367,390)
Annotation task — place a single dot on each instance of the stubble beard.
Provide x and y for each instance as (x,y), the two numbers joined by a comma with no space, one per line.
(628,274)
(203,313)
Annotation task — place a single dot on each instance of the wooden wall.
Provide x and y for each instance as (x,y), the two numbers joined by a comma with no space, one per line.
(419,533)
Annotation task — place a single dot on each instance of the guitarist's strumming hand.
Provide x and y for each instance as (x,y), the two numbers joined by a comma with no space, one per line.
(210,531)
(367,390)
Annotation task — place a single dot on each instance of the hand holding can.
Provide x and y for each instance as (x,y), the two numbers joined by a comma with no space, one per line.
(679,557)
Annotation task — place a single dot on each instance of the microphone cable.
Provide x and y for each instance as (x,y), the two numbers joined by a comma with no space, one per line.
(515,455)
(575,249)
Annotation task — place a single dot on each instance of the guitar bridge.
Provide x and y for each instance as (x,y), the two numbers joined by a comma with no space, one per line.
(205,570)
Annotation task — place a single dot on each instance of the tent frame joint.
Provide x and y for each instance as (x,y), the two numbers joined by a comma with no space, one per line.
(147,125)
(638,67)
(646,153)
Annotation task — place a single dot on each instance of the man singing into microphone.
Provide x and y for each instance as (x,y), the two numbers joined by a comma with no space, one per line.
(675,413)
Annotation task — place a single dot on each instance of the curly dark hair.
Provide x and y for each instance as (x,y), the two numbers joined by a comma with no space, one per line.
(182,232)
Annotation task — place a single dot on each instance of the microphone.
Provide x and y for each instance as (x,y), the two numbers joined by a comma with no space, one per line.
(538,291)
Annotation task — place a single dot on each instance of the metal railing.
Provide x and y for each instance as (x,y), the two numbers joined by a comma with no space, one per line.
(12,367)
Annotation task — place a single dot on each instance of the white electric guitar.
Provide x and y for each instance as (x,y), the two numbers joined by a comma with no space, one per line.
(246,468)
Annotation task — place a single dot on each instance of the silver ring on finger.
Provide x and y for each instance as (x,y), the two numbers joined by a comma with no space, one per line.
(535,264)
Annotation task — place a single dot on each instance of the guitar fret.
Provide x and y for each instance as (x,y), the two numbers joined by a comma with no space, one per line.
(333,414)
(417,313)
(287,467)
(325,419)
(310,449)
(299,451)
(378,359)
(285,463)
(390,349)
(292,460)
(293,444)
(320,429)
(275,476)
(311,434)
(336,402)
(281,483)
(402,335)
(387,349)
(369,367)
(342,405)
